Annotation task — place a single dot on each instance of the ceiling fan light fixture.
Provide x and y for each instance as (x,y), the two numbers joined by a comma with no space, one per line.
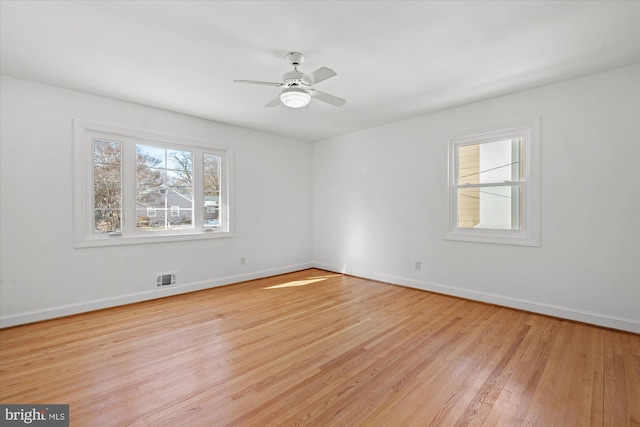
(295,97)
(297,90)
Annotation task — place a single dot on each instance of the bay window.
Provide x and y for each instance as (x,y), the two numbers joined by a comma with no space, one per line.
(131,186)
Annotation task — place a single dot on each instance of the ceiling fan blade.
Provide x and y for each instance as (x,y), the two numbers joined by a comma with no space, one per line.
(321,74)
(253,82)
(325,97)
(274,102)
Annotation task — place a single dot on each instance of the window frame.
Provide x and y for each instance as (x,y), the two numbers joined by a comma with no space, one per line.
(84,133)
(529,232)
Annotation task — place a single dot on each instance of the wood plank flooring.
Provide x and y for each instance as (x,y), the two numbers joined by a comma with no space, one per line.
(322,349)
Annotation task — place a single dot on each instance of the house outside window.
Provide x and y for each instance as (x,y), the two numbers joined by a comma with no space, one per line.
(494,190)
(132,186)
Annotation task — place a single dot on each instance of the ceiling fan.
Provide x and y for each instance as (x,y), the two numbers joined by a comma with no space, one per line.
(297,91)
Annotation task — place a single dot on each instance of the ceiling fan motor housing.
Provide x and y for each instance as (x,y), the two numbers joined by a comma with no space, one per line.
(293,79)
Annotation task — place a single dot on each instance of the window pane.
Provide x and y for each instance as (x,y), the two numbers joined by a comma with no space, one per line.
(212,167)
(164,187)
(490,207)
(490,162)
(107,197)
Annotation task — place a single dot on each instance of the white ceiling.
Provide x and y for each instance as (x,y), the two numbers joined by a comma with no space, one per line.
(395,59)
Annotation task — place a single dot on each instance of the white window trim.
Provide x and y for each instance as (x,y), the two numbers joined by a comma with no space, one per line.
(529,232)
(84,131)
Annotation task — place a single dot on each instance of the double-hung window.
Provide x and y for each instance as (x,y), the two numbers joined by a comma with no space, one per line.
(131,186)
(494,190)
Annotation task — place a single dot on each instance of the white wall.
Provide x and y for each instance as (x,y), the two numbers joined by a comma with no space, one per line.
(380,204)
(43,275)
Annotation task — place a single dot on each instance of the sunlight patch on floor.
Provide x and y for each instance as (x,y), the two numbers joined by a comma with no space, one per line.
(304,282)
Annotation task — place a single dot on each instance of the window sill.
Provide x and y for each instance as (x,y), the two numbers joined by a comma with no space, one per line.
(501,237)
(121,239)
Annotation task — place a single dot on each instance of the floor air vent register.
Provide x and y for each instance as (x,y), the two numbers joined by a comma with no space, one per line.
(165,279)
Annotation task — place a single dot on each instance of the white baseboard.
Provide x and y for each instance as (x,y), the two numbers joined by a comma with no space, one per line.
(608,321)
(69,309)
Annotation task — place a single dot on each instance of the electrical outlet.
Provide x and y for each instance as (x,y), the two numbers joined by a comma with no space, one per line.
(243,260)
(417,265)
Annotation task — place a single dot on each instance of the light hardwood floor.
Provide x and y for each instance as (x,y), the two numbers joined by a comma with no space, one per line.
(323,349)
